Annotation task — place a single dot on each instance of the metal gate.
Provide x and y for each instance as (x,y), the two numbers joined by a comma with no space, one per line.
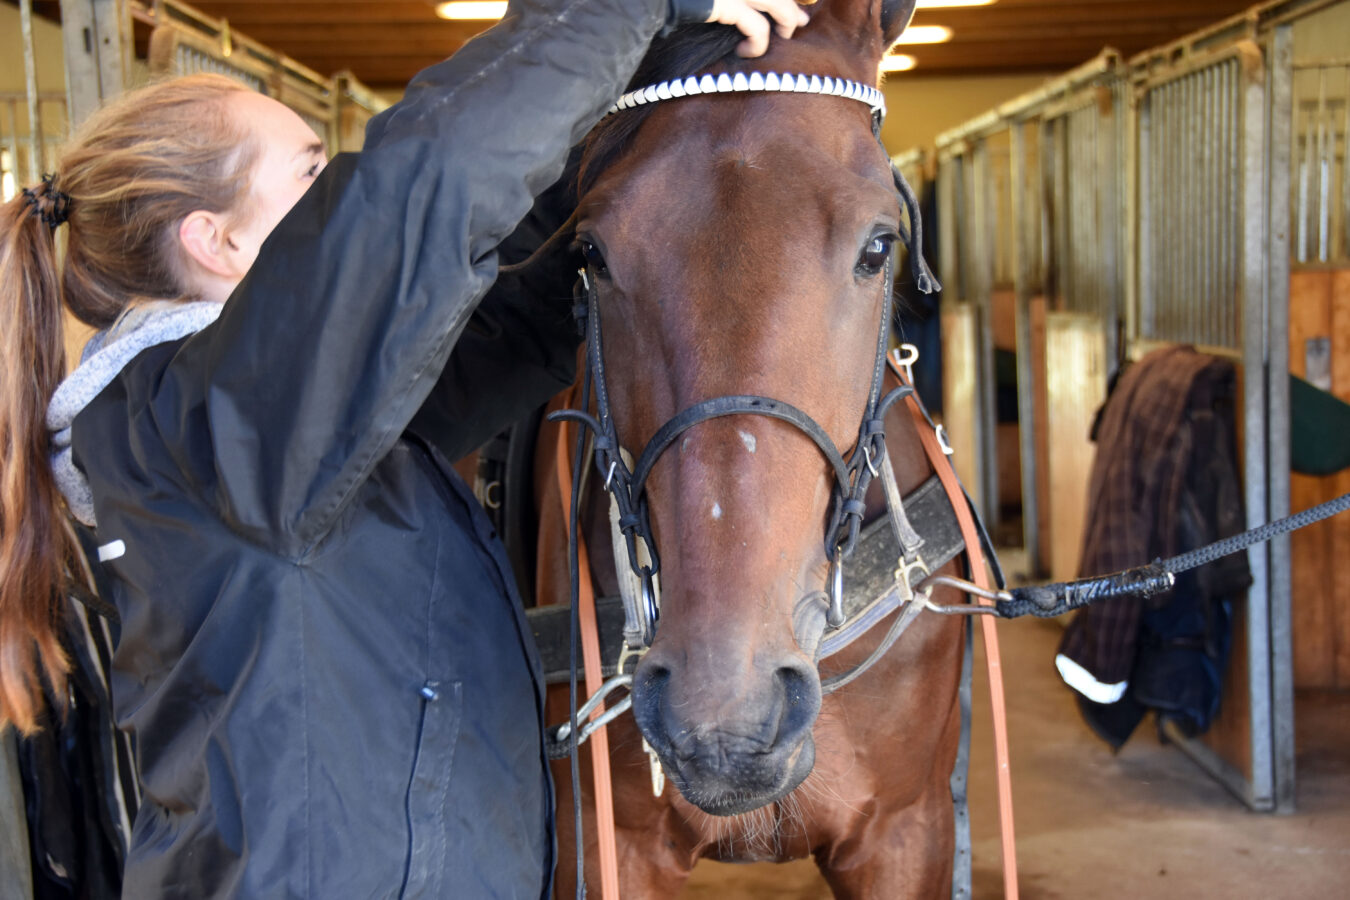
(1033,219)
(1162,200)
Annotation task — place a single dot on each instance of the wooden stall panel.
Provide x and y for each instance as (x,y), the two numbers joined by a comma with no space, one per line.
(1075,346)
(1338,573)
(1319,310)
(1230,734)
(960,409)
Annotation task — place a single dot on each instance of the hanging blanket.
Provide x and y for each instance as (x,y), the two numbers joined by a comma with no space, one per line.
(1165,480)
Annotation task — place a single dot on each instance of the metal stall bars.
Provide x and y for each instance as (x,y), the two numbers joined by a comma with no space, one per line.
(1199,277)
(185,41)
(32,121)
(974,262)
(1213,170)
(1050,213)
(1074,286)
(1321,190)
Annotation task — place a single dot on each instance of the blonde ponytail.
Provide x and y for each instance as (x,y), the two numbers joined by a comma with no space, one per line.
(126,180)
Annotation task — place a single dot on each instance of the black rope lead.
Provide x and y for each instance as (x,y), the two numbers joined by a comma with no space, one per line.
(1049,600)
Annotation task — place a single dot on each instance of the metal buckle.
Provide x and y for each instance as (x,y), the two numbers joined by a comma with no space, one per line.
(650,607)
(626,654)
(942,440)
(834,616)
(904,573)
(907,360)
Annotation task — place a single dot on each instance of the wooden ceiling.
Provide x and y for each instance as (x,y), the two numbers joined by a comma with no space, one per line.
(386,42)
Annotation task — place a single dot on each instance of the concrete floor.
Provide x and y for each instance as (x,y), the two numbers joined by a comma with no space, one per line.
(1146,823)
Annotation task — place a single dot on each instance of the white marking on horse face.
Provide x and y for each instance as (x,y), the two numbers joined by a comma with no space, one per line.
(684,444)
(748,439)
(717,511)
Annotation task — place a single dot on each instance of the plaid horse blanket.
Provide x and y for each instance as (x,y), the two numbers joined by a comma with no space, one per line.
(1165,480)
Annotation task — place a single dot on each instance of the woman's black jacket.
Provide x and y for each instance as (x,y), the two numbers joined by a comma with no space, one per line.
(330,683)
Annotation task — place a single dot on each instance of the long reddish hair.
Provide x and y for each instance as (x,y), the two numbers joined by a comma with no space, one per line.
(131,174)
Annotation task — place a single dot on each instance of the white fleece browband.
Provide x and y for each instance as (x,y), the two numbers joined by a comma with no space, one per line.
(755,82)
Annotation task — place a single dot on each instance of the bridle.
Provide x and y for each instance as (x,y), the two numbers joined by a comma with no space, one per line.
(852,476)
(626,485)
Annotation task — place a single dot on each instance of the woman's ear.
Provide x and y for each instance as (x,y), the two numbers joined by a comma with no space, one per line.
(204,238)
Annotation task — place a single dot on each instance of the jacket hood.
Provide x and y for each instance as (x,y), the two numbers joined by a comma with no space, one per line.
(141,326)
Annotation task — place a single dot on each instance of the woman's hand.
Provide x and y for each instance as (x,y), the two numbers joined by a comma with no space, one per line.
(746,15)
(752,17)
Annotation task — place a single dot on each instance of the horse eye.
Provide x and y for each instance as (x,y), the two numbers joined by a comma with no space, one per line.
(594,259)
(874,256)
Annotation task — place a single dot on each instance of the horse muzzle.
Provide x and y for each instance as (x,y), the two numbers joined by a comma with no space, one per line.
(730,746)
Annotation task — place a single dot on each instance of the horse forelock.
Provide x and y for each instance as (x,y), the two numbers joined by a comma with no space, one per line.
(684,52)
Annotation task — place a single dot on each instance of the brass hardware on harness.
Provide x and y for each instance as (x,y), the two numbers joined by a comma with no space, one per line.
(905,572)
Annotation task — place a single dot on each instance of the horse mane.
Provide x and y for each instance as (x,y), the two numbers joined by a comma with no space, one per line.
(682,52)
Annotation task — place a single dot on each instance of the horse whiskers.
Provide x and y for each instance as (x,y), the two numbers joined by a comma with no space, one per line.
(763,833)
(825,791)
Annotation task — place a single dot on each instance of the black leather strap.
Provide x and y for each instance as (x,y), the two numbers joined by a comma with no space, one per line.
(869,578)
(732,405)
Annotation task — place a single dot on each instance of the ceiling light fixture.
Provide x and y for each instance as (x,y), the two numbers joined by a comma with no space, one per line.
(950,4)
(898,62)
(472,9)
(925,34)
(486,10)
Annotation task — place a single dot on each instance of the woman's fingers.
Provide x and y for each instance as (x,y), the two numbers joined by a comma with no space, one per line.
(749,17)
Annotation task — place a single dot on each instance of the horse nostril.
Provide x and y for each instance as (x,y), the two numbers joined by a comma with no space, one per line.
(650,679)
(796,685)
(801,699)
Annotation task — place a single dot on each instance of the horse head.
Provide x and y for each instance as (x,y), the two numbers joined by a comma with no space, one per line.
(739,244)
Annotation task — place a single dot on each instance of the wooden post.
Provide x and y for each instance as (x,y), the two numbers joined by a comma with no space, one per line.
(97,54)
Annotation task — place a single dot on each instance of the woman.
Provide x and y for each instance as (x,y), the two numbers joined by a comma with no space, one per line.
(332,689)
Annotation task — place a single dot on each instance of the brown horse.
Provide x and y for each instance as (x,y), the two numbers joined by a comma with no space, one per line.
(737,244)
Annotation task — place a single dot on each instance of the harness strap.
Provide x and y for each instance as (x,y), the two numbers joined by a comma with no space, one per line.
(590,651)
(993,659)
(870,595)
(731,405)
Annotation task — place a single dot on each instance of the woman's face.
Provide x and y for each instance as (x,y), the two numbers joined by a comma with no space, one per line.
(290,157)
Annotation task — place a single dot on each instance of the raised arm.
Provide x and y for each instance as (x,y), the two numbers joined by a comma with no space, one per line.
(331,343)
(279,411)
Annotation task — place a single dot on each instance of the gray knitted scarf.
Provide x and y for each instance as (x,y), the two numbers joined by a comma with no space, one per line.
(107,353)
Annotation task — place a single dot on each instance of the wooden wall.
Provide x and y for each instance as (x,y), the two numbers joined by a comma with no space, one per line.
(960,403)
(1075,347)
(1319,307)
